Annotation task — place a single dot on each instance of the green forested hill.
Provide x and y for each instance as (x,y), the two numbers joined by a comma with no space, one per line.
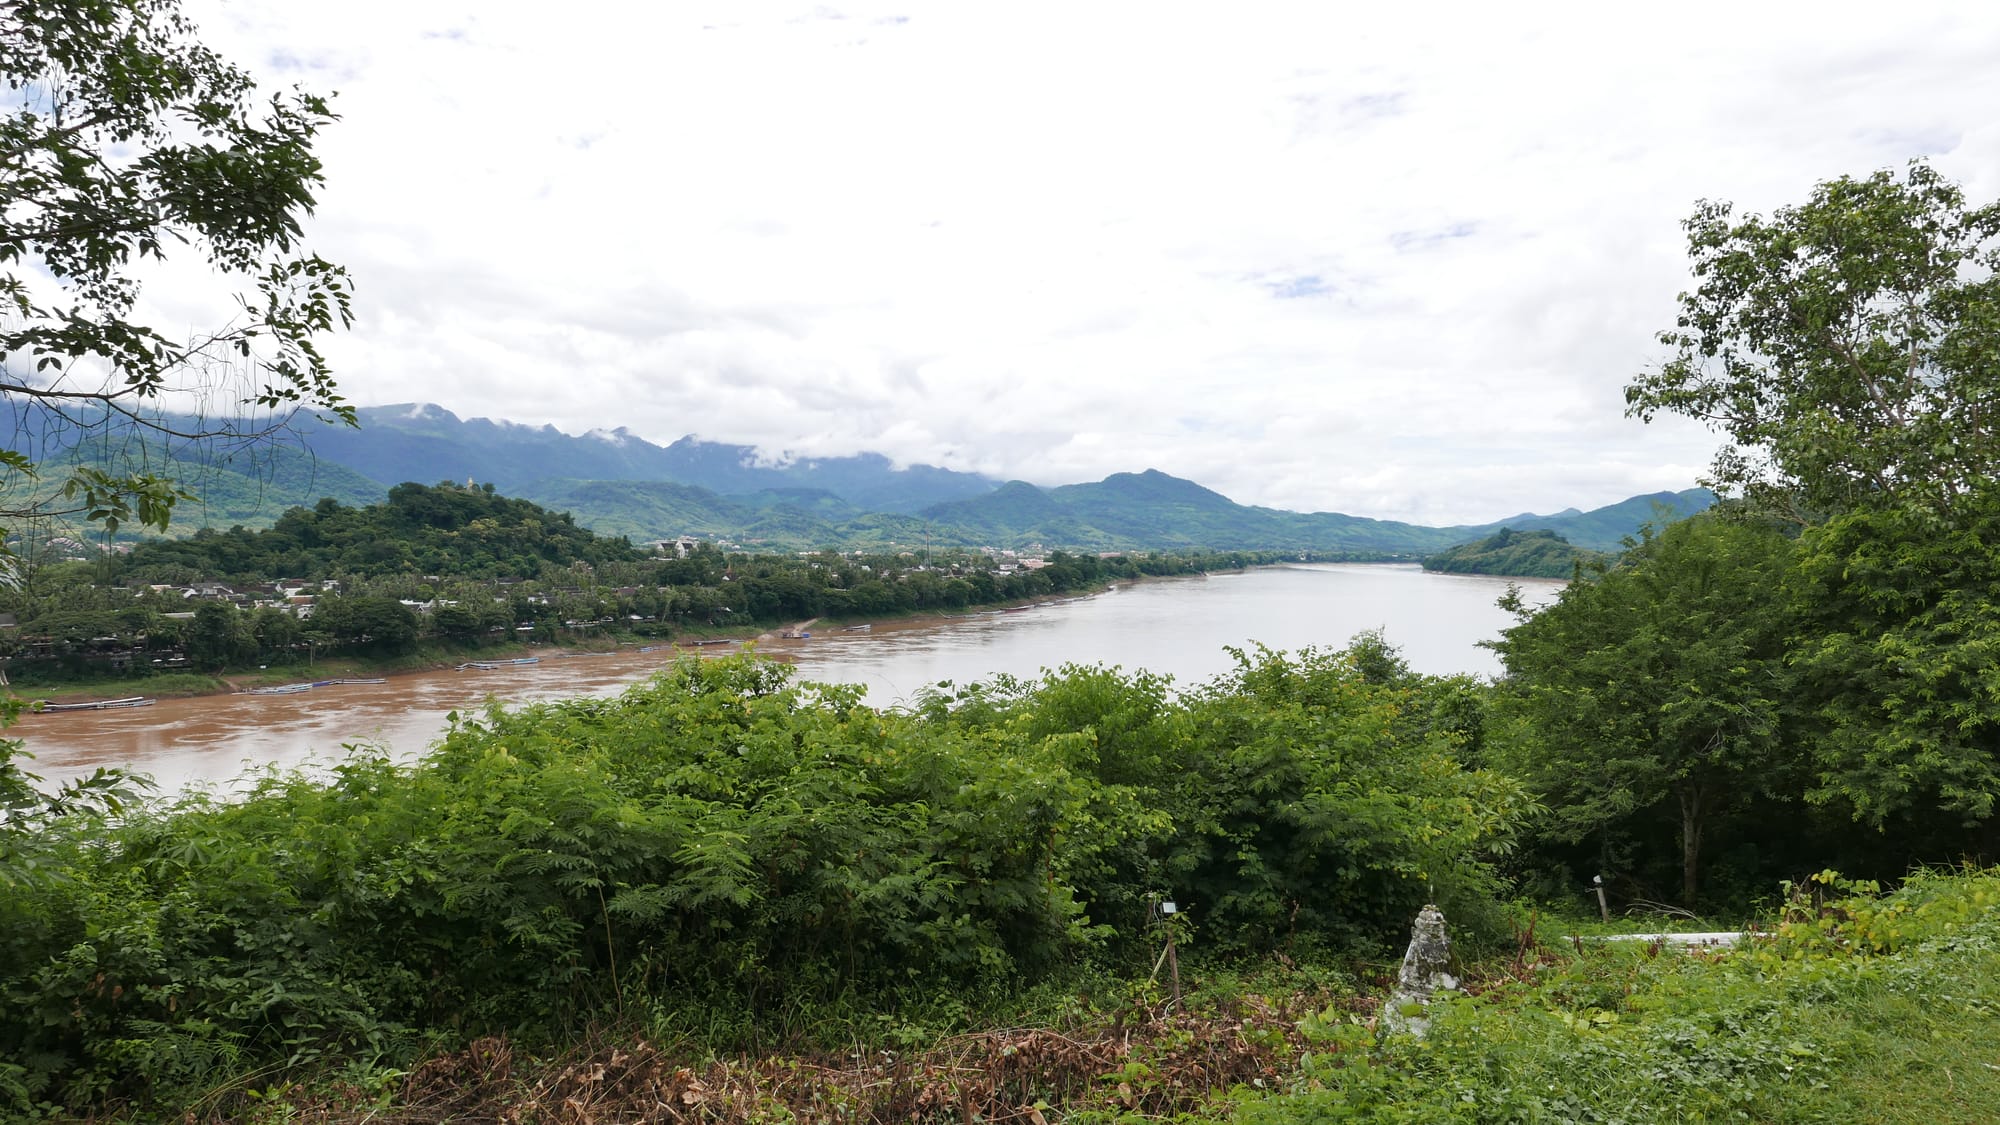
(1514,554)
(1604,529)
(643,509)
(446,530)
(1125,511)
(1154,509)
(791,519)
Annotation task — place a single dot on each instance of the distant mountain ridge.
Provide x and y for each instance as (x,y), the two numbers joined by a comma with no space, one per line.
(1125,511)
(617,483)
(426,443)
(1155,509)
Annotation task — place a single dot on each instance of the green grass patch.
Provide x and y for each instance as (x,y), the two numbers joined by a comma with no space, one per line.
(163,684)
(1859,1009)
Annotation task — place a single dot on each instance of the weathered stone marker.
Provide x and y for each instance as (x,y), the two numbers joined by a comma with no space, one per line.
(1425,972)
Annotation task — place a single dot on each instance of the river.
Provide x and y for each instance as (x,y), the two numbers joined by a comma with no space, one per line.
(1177,627)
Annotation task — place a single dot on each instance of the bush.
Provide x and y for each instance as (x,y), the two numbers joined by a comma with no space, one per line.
(721,838)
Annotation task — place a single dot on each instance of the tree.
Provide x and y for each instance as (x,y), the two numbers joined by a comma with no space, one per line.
(457,622)
(1655,688)
(217,639)
(126,137)
(1849,348)
(1899,663)
(376,624)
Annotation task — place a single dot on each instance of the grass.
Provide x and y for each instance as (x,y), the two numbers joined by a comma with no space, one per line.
(164,684)
(1858,1010)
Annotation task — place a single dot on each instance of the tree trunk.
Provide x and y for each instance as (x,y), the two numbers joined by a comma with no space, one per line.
(1691,811)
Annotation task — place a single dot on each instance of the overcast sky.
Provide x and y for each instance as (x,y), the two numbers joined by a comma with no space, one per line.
(1391,260)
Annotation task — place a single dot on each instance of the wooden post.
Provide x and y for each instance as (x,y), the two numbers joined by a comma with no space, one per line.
(1162,915)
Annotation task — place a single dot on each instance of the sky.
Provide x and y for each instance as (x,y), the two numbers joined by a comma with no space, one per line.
(1391,260)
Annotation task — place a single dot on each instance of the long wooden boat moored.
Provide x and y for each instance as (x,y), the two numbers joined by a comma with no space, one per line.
(294,689)
(46,707)
(490,665)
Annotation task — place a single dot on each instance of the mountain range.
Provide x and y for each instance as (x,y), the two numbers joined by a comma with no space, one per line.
(427,443)
(619,484)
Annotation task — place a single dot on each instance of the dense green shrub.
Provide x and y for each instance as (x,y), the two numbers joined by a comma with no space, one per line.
(1315,796)
(722,837)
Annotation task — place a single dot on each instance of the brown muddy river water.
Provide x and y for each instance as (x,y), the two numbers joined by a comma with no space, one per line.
(1176,627)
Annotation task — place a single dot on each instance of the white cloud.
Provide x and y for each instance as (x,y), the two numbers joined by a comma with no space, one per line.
(1396,263)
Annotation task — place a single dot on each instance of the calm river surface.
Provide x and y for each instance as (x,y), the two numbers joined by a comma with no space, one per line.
(1177,627)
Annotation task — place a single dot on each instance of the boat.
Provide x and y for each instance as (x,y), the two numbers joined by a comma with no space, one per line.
(860,628)
(490,665)
(97,704)
(294,689)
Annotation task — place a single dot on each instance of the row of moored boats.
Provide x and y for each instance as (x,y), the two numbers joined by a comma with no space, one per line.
(294,689)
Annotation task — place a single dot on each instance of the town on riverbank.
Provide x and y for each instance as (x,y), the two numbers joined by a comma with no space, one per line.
(436,576)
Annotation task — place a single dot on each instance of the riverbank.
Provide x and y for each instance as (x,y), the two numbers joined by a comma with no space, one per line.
(1182,631)
(438,658)
(189,685)
(1373,606)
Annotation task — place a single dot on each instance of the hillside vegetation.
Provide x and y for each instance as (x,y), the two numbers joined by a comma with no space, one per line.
(1522,554)
(461,532)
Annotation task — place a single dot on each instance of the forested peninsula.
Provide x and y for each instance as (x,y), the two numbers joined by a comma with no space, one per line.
(1514,554)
